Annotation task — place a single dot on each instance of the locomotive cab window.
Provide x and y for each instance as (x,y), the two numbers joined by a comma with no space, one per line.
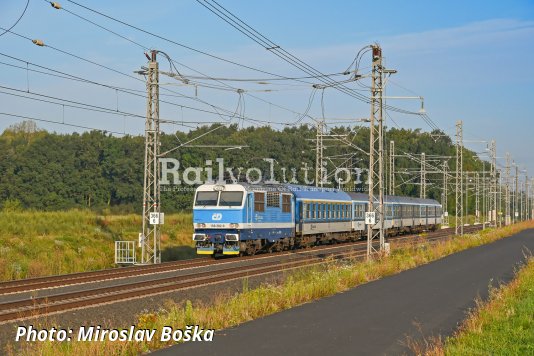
(259,201)
(207,198)
(231,199)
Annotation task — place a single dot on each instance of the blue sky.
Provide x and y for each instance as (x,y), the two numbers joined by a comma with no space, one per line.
(471,60)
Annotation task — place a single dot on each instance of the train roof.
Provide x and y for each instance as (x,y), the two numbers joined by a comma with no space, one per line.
(307,192)
(313,193)
(394,199)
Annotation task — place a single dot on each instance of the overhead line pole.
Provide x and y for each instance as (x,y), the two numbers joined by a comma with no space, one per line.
(392,168)
(466,209)
(477,200)
(507,219)
(493,184)
(459,228)
(445,195)
(376,154)
(516,194)
(150,236)
(319,154)
(423,176)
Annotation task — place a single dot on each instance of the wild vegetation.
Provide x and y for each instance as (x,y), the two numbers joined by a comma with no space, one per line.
(49,171)
(39,243)
(299,287)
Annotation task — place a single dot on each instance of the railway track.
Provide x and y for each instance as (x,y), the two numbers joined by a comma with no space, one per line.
(194,273)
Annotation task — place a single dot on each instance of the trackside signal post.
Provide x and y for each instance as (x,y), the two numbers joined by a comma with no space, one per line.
(149,238)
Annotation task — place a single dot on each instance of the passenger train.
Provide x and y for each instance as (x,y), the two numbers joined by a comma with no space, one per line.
(244,219)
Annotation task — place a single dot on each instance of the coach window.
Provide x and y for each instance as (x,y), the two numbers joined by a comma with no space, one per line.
(259,202)
(286,203)
(306,210)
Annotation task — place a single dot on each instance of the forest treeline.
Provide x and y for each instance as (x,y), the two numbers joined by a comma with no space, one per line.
(49,171)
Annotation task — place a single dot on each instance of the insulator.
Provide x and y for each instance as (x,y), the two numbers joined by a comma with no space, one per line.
(55,5)
(38,42)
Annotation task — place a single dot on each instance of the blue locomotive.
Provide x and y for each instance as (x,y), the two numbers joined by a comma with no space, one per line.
(240,218)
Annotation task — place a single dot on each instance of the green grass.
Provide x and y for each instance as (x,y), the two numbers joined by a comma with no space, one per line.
(299,287)
(502,326)
(34,243)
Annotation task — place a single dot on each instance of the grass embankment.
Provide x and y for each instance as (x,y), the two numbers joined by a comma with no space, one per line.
(299,287)
(502,326)
(34,244)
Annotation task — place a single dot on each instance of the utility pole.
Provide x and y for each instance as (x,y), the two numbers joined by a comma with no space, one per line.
(376,154)
(392,167)
(422,191)
(493,184)
(150,237)
(445,194)
(459,179)
(507,219)
(319,149)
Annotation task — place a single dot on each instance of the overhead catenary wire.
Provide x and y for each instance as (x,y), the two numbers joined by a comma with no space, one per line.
(313,75)
(218,112)
(18,20)
(263,41)
(137,28)
(316,75)
(89,107)
(138,79)
(61,123)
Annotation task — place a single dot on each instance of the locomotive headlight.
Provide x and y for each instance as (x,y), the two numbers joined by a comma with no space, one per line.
(202,225)
(234,226)
(199,237)
(231,237)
